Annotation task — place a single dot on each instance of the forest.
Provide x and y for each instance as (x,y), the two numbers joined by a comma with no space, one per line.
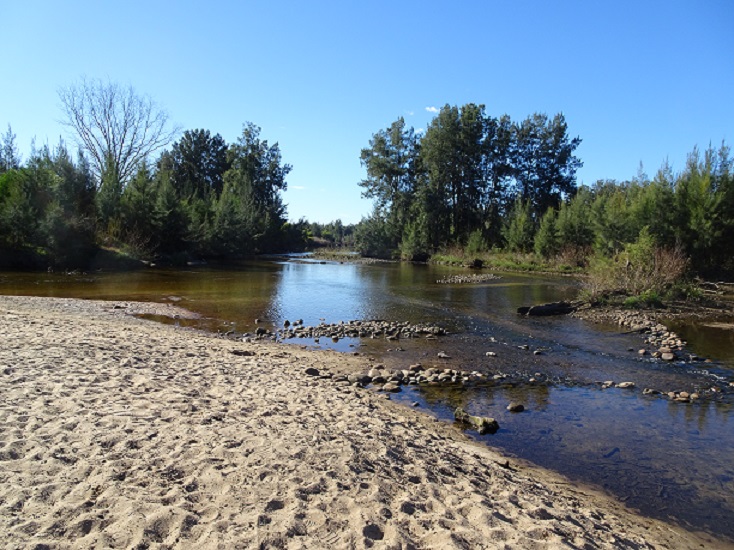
(471,186)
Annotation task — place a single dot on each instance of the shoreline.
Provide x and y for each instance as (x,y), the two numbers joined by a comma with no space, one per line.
(119,432)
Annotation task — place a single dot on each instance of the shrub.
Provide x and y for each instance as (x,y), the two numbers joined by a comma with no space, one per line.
(641,269)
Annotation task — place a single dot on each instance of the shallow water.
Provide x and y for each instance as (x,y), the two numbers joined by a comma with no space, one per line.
(670,460)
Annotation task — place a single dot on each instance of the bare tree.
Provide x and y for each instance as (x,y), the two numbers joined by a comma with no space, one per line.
(117,127)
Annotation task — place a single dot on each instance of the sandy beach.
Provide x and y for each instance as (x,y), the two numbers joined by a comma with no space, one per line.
(117,432)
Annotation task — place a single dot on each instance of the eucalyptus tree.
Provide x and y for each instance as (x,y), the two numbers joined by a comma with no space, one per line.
(115,126)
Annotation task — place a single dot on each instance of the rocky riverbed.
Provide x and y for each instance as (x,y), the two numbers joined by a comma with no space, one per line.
(390,330)
(472,278)
(116,432)
(658,343)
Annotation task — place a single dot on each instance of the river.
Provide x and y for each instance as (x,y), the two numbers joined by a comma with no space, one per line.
(669,460)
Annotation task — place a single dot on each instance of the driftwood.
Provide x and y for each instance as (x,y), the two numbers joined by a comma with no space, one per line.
(554,308)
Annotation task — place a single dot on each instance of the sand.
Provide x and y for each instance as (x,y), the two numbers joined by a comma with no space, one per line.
(116,432)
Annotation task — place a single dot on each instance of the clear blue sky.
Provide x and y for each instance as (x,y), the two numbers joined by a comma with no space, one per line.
(637,81)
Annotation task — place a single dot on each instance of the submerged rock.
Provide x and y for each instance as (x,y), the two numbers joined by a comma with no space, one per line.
(484,425)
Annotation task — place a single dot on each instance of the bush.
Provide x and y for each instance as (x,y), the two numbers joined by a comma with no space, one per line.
(641,269)
(476,245)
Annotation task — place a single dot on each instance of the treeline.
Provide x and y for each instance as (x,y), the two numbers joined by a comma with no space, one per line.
(690,212)
(202,198)
(476,183)
(461,179)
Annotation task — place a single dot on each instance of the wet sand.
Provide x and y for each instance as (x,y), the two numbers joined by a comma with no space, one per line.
(116,432)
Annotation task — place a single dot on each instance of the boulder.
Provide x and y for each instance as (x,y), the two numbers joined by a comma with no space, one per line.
(484,425)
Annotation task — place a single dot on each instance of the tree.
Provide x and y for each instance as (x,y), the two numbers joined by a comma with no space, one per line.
(546,239)
(249,214)
(545,166)
(117,128)
(198,164)
(9,157)
(259,165)
(520,228)
(390,161)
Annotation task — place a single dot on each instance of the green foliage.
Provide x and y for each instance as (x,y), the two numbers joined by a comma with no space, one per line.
(574,226)
(372,237)
(197,163)
(520,228)
(476,245)
(642,267)
(545,166)
(9,157)
(463,175)
(192,202)
(546,242)
(647,299)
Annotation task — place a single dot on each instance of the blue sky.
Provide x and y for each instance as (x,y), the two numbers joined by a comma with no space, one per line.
(637,81)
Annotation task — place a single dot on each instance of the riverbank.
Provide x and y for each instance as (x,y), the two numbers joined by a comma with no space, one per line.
(122,433)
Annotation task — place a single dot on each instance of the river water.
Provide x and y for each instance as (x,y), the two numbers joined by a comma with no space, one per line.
(669,460)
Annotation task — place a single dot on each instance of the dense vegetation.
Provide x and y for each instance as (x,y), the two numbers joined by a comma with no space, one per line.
(461,180)
(471,186)
(478,186)
(203,198)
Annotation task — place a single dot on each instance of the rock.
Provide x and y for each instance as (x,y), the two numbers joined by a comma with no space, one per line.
(482,424)
(286,323)
(650,391)
(642,352)
(626,385)
(359,378)
(667,356)
(476,263)
(391,387)
(538,352)
(417,367)
(491,354)
(443,355)
(311,371)
(242,352)
(515,407)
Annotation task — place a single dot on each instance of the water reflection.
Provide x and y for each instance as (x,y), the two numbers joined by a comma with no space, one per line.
(661,458)
(668,459)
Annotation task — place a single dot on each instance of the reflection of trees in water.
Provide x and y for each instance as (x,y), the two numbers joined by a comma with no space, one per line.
(487,400)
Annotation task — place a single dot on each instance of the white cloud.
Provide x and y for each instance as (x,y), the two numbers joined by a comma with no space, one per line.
(431,109)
